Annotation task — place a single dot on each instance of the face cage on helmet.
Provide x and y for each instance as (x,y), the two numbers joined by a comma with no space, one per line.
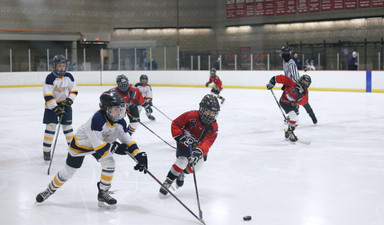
(60,73)
(305,84)
(123,86)
(117,117)
(206,119)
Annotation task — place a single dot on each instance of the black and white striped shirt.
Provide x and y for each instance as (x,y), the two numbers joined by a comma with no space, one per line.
(290,70)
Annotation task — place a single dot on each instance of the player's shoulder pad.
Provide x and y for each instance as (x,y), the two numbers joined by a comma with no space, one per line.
(123,123)
(192,113)
(138,84)
(69,76)
(50,79)
(98,121)
(132,88)
(213,127)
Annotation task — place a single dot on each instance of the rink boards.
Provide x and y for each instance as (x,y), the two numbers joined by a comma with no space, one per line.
(350,81)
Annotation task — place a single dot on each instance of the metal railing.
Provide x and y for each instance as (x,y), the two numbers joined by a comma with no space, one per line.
(96,57)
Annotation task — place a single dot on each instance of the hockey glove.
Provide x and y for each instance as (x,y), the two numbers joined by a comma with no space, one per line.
(120,149)
(187,140)
(147,107)
(270,86)
(196,155)
(271,83)
(58,110)
(67,103)
(142,162)
(207,84)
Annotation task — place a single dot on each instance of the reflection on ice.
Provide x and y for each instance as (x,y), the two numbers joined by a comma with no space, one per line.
(251,169)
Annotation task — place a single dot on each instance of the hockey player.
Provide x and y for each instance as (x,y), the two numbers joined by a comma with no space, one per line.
(133,99)
(217,85)
(293,95)
(98,137)
(194,132)
(290,70)
(59,92)
(146,91)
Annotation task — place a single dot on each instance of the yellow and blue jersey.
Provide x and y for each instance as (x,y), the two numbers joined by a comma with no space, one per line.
(97,136)
(56,89)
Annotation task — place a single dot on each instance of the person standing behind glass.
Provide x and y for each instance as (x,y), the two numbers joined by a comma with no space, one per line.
(297,61)
(352,61)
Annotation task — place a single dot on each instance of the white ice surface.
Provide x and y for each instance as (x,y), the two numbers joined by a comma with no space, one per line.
(251,170)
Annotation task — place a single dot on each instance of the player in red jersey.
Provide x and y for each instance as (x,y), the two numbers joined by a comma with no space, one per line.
(132,98)
(294,94)
(194,132)
(217,85)
(291,71)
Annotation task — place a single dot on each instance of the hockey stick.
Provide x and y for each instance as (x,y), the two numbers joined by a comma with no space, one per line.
(54,145)
(157,180)
(151,131)
(162,112)
(194,179)
(285,117)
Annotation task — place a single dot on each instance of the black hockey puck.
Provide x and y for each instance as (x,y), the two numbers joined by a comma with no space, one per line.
(247,218)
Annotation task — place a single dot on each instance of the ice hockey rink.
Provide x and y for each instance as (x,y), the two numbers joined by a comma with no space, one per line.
(337,179)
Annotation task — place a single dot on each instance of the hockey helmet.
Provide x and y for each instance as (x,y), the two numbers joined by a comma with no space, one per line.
(113,105)
(143,77)
(59,59)
(213,72)
(209,109)
(305,81)
(286,53)
(122,83)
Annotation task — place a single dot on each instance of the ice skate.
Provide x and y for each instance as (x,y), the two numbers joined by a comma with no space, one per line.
(167,183)
(313,117)
(150,117)
(290,136)
(41,197)
(286,134)
(105,199)
(180,180)
(47,156)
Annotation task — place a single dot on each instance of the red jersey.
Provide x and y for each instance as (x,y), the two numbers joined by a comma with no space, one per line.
(217,82)
(189,121)
(291,95)
(133,96)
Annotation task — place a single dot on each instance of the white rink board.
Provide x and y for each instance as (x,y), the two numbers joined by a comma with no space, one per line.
(320,79)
